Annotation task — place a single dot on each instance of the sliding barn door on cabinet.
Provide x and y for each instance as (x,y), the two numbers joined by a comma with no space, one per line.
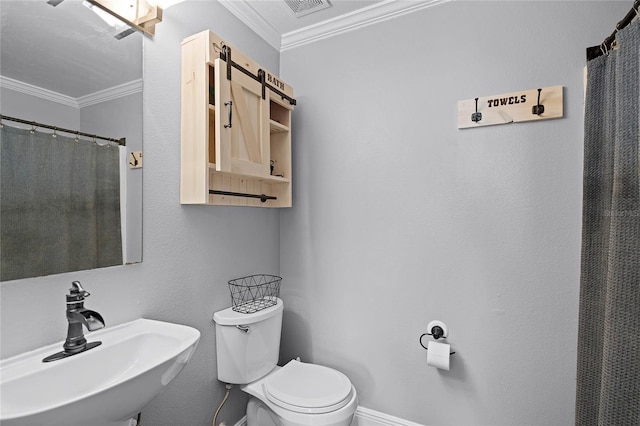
(235,128)
(242,141)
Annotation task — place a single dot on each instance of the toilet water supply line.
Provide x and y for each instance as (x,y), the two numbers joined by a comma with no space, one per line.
(226,396)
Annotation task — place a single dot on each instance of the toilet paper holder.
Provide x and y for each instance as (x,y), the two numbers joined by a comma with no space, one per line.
(438,330)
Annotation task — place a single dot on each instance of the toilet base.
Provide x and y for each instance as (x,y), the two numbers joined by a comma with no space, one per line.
(258,414)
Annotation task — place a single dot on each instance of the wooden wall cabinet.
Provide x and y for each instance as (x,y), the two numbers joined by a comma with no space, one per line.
(235,132)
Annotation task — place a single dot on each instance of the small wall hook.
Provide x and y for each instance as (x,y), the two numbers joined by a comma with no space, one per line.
(538,109)
(476,116)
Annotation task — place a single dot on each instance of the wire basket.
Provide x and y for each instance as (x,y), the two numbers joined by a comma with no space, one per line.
(254,293)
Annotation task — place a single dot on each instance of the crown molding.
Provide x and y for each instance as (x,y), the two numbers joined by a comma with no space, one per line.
(29,89)
(111,93)
(377,12)
(247,14)
(372,14)
(81,102)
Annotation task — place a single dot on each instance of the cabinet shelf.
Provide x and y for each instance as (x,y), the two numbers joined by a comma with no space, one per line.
(267,179)
(276,127)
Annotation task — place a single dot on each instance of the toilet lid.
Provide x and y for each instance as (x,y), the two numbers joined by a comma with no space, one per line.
(308,388)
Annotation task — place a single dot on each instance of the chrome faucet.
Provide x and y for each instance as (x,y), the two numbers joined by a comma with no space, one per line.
(77,317)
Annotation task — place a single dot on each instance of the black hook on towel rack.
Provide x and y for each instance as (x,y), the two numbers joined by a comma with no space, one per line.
(476,116)
(538,109)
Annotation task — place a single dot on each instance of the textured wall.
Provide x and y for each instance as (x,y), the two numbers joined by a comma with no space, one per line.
(400,218)
(190,252)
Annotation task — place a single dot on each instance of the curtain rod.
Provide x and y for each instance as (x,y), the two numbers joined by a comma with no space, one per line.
(607,44)
(121,141)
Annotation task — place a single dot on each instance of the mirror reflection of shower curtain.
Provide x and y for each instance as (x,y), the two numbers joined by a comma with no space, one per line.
(59,204)
(608,372)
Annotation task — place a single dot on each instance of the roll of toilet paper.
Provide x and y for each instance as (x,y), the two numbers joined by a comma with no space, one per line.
(438,355)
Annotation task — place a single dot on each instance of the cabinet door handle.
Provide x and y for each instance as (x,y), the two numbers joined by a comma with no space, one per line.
(230,105)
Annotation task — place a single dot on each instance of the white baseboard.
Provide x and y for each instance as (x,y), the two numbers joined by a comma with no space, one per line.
(368,417)
(365,417)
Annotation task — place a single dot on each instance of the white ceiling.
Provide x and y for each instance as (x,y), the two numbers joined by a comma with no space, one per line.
(68,50)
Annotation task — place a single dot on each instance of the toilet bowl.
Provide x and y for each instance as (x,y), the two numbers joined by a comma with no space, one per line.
(301,394)
(297,394)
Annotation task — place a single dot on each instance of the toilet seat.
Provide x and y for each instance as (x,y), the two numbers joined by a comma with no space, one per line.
(308,388)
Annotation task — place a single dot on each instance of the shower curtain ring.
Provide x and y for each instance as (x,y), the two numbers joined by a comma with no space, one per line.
(77,138)
(604,49)
(95,140)
(33,128)
(54,135)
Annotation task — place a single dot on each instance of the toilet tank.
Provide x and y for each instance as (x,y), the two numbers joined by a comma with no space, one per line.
(247,345)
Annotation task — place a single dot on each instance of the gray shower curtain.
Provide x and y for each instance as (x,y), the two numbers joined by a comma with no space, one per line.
(608,372)
(59,204)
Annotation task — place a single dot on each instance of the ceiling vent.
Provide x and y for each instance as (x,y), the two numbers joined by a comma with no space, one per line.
(304,7)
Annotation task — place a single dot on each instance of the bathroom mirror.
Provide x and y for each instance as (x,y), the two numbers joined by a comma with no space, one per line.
(61,65)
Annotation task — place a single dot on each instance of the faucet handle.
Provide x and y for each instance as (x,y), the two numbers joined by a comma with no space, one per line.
(77,293)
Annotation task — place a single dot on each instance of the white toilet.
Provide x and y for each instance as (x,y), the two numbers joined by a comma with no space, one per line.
(297,394)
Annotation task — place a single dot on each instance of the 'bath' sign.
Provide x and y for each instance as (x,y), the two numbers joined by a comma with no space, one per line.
(527,105)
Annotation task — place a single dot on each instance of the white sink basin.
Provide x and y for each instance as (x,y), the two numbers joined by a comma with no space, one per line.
(104,386)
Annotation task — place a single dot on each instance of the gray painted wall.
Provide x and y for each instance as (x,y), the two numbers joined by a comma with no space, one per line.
(399,218)
(190,252)
(29,107)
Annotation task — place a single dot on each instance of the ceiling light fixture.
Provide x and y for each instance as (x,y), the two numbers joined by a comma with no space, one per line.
(140,15)
(119,29)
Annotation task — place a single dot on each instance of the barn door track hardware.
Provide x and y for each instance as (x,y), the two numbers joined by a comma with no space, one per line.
(225,55)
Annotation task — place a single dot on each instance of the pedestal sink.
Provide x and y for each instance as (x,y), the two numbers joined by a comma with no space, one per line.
(104,386)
